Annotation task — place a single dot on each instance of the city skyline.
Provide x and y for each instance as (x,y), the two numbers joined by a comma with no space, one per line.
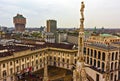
(99,13)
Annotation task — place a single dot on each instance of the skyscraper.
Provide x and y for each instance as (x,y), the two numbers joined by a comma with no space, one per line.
(19,22)
(51,26)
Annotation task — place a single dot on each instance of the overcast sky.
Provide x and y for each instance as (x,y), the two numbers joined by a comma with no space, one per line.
(99,13)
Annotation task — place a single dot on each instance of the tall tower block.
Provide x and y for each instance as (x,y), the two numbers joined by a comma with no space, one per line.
(51,26)
(19,22)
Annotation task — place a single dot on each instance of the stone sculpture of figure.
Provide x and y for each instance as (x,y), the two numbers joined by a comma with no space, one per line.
(82,9)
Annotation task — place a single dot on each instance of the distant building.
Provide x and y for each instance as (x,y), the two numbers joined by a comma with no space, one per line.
(49,37)
(51,26)
(62,37)
(19,22)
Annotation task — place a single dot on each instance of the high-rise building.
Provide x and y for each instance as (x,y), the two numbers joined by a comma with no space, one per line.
(19,22)
(51,26)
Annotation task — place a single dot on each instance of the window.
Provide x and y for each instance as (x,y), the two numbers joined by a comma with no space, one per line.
(37,67)
(95,53)
(88,51)
(3,65)
(84,50)
(36,55)
(75,61)
(67,60)
(36,61)
(63,60)
(103,56)
(94,62)
(115,65)
(97,77)
(103,65)
(32,57)
(27,58)
(17,68)
(98,63)
(91,61)
(87,60)
(111,76)
(112,66)
(59,59)
(55,58)
(99,54)
(40,54)
(40,60)
(91,52)
(11,63)
(112,56)
(115,78)
(16,61)
(23,59)
(116,55)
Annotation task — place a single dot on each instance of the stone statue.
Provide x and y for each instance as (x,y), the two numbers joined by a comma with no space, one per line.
(82,9)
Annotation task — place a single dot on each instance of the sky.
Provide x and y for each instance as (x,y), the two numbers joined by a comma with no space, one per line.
(98,13)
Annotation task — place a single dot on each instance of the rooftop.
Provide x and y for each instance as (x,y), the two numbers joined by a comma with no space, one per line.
(19,16)
(103,46)
(9,50)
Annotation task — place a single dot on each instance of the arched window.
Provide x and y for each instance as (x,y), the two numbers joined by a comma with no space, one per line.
(112,66)
(55,58)
(116,55)
(91,52)
(99,54)
(113,56)
(87,60)
(67,60)
(116,65)
(63,60)
(103,56)
(91,61)
(98,63)
(111,76)
(88,51)
(95,53)
(94,62)
(58,58)
(84,50)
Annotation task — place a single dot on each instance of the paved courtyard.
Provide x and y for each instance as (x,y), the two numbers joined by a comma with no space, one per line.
(54,74)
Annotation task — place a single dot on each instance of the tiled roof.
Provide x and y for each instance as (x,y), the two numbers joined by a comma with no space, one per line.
(14,48)
(103,46)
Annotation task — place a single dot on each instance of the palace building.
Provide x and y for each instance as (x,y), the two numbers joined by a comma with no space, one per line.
(19,58)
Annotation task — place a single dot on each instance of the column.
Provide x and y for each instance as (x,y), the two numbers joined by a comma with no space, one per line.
(45,71)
